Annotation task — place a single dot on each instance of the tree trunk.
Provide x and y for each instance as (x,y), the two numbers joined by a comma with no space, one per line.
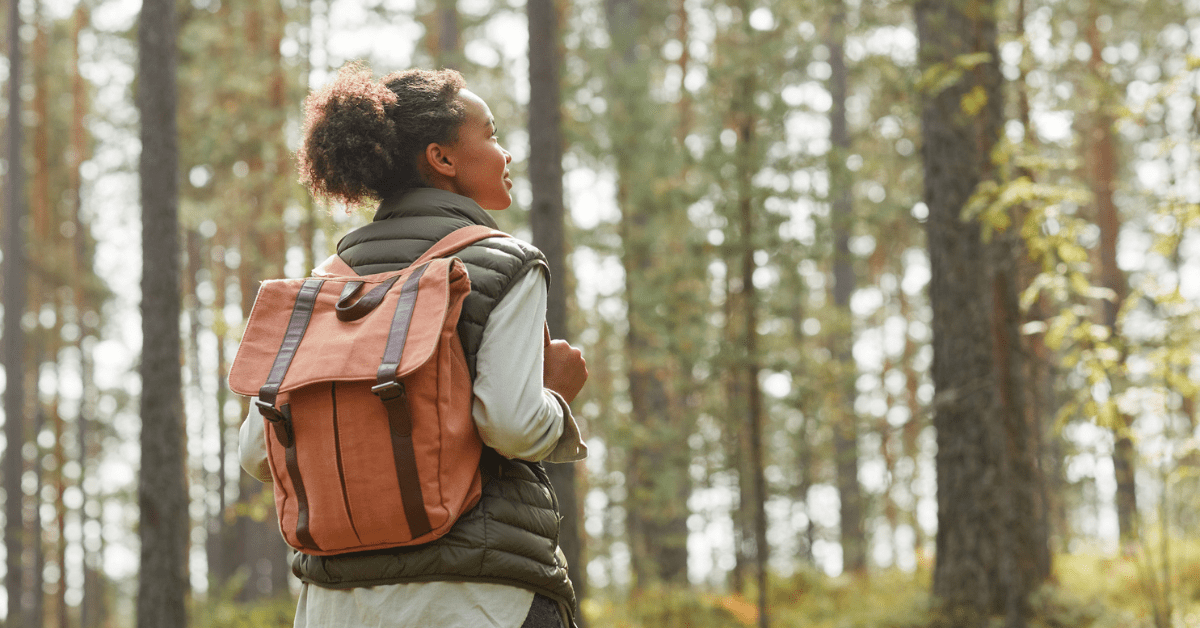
(1101,160)
(14,336)
(36,614)
(657,474)
(735,403)
(751,365)
(446,45)
(987,537)
(803,445)
(162,494)
(547,221)
(221,562)
(845,427)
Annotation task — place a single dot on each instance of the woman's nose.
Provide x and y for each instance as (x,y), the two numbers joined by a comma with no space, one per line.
(507,156)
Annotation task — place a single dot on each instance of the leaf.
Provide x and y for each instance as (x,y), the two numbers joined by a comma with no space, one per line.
(1165,246)
(1072,253)
(974,101)
(971,60)
(1079,283)
(1059,327)
(1108,416)
(938,78)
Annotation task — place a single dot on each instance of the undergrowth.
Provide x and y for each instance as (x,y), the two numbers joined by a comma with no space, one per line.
(1088,590)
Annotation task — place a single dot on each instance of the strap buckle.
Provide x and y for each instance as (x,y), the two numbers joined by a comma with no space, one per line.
(280,419)
(389,390)
(269,411)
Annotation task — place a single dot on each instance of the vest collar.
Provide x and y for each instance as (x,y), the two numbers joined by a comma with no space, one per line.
(432,201)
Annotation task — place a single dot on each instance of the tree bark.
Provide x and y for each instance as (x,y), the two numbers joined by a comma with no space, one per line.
(657,473)
(448,50)
(14,335)
(1101,161)
(751,364)
(547,218)
(162,494)
(1040,364)
(987,535)
(845,428)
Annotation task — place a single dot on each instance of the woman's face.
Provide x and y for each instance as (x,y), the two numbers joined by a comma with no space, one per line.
(480,163)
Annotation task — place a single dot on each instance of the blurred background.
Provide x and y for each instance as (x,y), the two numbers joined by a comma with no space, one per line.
(746,268)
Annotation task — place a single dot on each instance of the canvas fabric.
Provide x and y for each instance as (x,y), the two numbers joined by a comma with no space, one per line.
(364,385)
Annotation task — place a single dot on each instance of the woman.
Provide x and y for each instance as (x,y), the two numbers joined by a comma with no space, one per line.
(424,147)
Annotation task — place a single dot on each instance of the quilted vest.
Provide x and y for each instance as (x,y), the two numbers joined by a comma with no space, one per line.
(406,226)
(511,536)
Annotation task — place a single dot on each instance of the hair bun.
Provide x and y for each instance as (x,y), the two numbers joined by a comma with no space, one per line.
(348,151)
(363,138)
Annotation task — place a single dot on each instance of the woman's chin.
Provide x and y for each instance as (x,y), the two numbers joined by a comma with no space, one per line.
(498,204)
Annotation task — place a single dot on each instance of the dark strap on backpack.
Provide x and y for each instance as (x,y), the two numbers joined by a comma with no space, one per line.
(362,307)
(392,392)
(395,399)
(281,418)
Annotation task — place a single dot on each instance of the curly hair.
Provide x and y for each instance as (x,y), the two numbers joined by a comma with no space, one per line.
(362,138)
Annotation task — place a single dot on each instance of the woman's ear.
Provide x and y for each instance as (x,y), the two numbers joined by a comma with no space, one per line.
(439,159)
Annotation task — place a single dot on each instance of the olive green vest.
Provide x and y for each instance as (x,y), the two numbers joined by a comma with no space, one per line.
(406,226)
(511,536)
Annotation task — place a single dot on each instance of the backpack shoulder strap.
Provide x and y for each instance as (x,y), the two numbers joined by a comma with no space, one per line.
(458,240)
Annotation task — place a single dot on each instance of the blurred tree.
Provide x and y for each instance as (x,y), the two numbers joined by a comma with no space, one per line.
(15,298)
(845,427)
(746,122)
(1100,145)
(162,493)
(546,217)
(654,234)
(447,47)
(987,541)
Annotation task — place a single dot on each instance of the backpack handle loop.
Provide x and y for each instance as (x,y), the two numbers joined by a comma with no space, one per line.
(351,312)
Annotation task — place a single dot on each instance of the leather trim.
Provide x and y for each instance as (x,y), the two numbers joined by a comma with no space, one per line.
(297,324)
(395,400)
(303,535)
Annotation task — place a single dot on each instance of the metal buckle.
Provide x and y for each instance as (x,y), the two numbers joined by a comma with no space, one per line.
(269,411)
(389,390)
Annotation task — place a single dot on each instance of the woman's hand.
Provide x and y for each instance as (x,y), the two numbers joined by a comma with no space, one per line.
(563,369)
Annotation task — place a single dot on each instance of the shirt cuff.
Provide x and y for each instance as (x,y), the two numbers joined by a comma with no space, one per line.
(570,446)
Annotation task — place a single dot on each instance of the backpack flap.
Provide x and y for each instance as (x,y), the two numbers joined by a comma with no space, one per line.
(330,349)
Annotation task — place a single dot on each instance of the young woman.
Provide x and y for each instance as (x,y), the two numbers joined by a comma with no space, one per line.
(424,147)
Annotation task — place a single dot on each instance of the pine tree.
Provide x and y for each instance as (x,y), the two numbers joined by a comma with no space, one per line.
(845,428)
(14,335)
(986,540)
(546,217)
(162,496)
(651,222)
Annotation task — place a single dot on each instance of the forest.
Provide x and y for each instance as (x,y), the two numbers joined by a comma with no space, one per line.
(891,309)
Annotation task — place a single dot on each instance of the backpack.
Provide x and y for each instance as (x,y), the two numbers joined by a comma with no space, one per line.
(367,402)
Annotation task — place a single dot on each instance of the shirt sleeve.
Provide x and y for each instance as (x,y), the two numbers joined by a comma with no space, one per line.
(252,446)
(514,413)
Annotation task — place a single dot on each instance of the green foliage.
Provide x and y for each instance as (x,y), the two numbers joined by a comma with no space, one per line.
(222,608)
(224,612)
(1090,590)
(890,599)
(669,607)
(941,76)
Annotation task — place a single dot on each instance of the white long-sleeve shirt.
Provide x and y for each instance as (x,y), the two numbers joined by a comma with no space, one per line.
(518,417)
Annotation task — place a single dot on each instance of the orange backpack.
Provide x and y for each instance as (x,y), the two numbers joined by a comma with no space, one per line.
(367,404)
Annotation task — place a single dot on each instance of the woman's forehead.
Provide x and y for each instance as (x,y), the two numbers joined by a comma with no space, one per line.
(476,108)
